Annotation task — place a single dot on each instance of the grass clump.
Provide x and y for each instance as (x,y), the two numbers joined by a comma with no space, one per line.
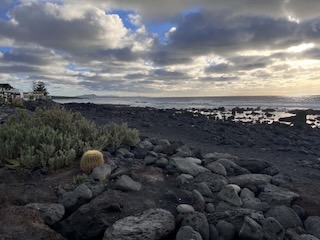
(55,137)
(79,179)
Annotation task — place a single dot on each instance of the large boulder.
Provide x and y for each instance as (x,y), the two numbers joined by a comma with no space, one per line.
(215,182)
(253,165)
(125,183)
(286,216)
(101,173)
(230,193)
(51,213)
(250,230)
(250,179)
(272,229)
(189,165)
(211,157)
(24,223)
(198,222)
(235,216)
(226,230)
(274,195)
(152,224)
(312,225)
(187,233)
(74,199)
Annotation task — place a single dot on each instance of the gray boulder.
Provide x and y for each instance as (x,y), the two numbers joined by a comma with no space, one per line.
(184,178)
(187,233)
(101,173)
(74,199)
(214,181)
(229,194)
(285,216)
(250,179)
(198,201)
(146,144)
(217,168)
(226,230)
(235,216)
(185,208)
(150,160)
(188,165)
(312,225)
(274,195)
(253,165)
(211,157)
(272,229)
(152,224)
(125,153)
(250,201)
(198,222)
(125,183)
(305,237)
(51,213)
(183,151)
(250,230)
(204,189)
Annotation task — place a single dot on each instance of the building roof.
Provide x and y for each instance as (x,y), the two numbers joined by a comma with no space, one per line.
(5,85)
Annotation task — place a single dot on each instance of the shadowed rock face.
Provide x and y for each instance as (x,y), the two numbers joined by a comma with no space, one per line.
(24,223)
(152,224)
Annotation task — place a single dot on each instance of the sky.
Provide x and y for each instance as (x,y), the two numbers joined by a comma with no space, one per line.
(166,48)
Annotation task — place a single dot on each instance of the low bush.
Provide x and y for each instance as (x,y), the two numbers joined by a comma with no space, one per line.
(55,137)
(79,179)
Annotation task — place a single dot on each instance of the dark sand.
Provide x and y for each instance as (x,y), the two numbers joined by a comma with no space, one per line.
(294,150)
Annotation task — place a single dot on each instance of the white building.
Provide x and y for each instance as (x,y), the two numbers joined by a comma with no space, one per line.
(8,93)
(35,95)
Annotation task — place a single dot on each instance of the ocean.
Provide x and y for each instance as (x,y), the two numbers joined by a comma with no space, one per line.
(283,103)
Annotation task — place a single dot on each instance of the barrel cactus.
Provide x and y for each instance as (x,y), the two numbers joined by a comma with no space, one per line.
(91,159)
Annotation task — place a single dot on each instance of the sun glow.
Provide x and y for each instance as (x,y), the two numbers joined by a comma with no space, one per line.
(301,48)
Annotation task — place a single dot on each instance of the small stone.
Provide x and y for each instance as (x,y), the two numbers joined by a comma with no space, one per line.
(125,183)
(204,189)
(150,160)
(101,173)
(185,208)
(210,208)
(187,233)
(184,178)
(162,162)
(217,168)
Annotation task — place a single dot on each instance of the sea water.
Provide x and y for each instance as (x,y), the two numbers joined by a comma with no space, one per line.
(263,102)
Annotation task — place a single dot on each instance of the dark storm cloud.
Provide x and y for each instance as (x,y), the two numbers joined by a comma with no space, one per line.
(202,33)
(205,31)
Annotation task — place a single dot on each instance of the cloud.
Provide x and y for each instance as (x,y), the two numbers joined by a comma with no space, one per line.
(69,28)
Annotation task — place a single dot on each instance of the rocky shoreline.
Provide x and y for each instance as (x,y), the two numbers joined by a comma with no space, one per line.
(189,178)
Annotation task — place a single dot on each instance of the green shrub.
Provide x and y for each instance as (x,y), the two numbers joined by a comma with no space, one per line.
(55,137)
(79,179)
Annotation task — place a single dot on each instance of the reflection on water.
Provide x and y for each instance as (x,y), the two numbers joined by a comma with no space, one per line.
(255,116)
